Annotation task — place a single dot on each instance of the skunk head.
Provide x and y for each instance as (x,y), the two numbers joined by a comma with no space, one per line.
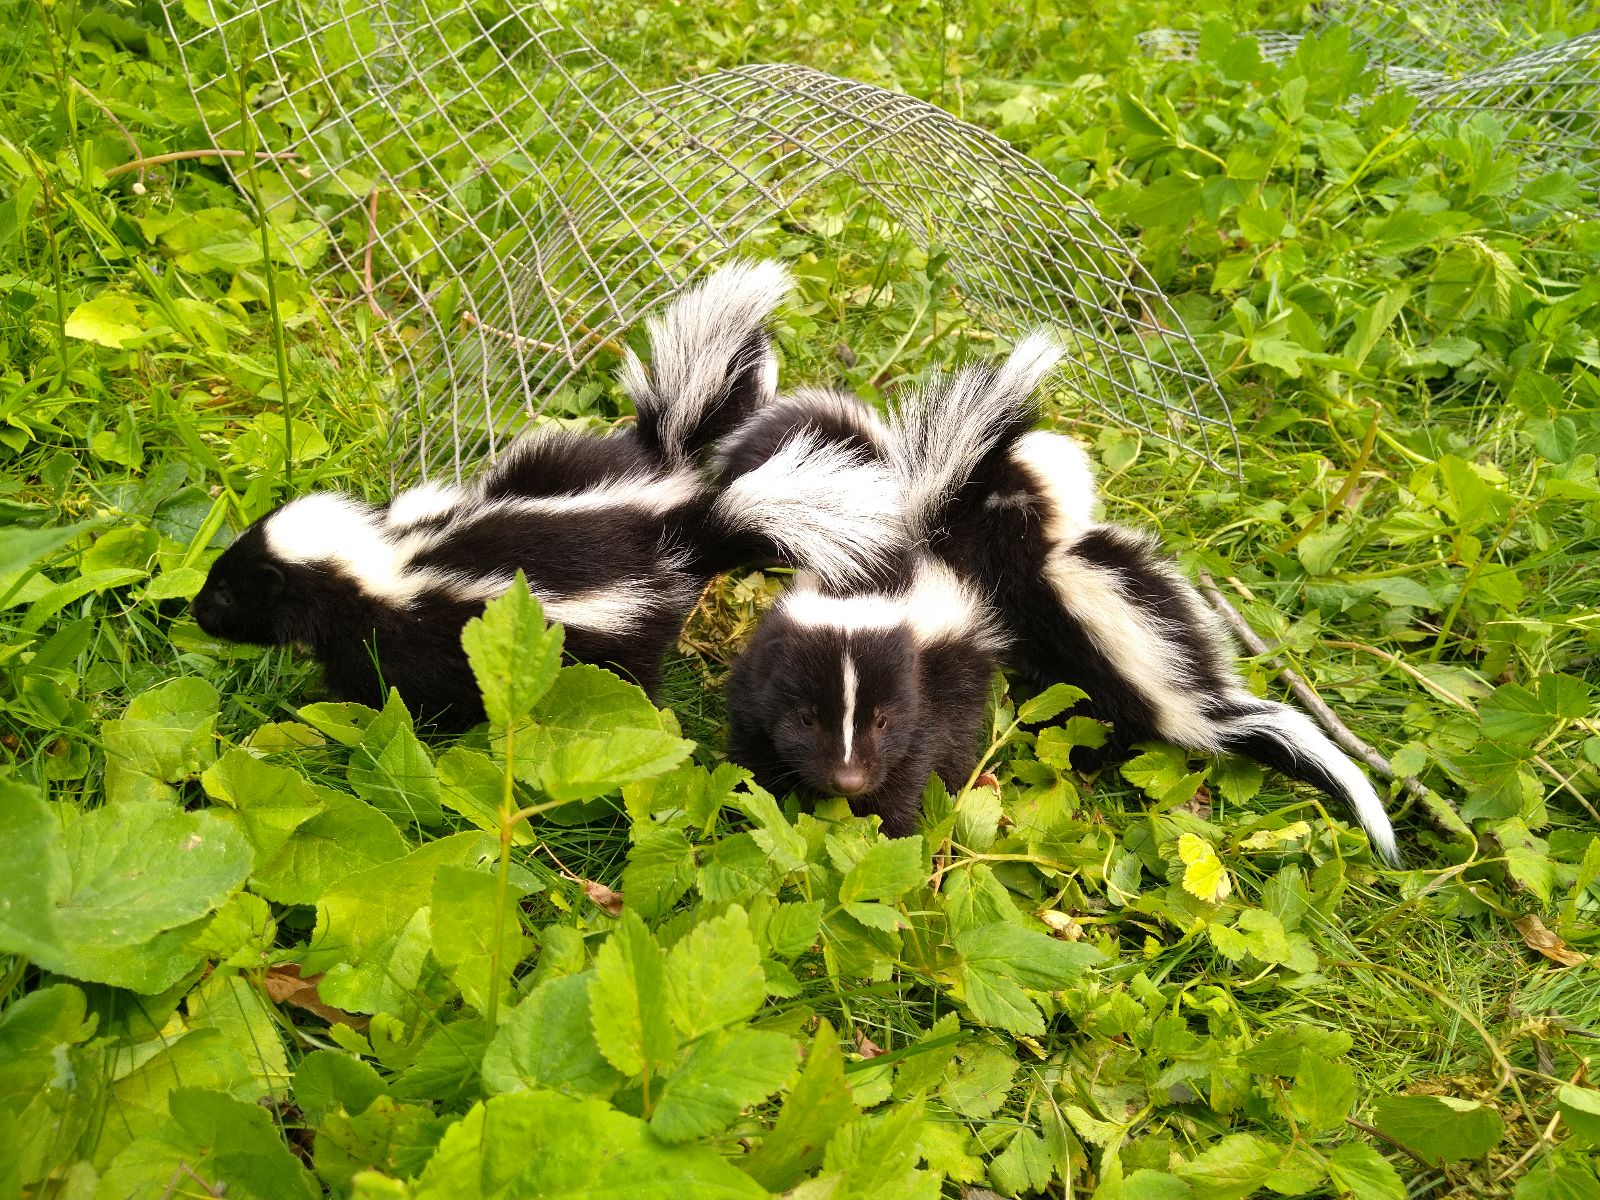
(299,574)
(832,687)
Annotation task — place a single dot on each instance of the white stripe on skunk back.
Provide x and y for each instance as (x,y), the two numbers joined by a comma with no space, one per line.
(696,343)
(1064,476)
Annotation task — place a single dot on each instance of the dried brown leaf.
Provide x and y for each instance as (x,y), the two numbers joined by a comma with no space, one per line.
(284,985)
(1540,938)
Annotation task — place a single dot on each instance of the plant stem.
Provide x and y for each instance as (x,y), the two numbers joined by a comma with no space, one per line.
(502,879)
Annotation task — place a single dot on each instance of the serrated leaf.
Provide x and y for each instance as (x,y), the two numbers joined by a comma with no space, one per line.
(547,1041)
(889,869)
(1556,1180)
(268,803)
(347,836)
(1580,1110)
(1050,703)
(593,732)
(660,870)
(1232,1169)
(1323,1093)
(544,1144)
(724,1074)
(1162,773)
(815,1108)
(714,976)
(462,918)
(1361,1173)
(514,656)
(1440,1129)
(1204,876)
(164,737)
(628,1003)
(473,784)
(392,770)
(998,961)
(110,895)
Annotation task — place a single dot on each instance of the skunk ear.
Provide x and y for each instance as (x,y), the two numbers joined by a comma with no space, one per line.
(271,581)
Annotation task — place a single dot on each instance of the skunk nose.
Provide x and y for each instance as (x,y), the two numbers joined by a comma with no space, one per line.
(849,781)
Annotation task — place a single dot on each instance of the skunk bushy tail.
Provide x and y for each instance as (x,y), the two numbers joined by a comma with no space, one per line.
(711,361)
(813,503)
(943,436)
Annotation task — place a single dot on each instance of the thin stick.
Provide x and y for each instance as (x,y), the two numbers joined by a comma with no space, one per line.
(121,128)
(1439,810)
(1343,494)
(366,256)
(155,160)
(516,339)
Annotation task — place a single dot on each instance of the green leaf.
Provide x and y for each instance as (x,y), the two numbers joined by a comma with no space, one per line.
(108,895)
(222,1141)
(326,1081)
(527,1144)
(1580,1110)
(999,960)
(20,548)
(1204,876)
(1024,1167)
(724,1074)
(268,803)
(347,836)
(714,976)
(815,1108)
(889,869)
(1162,773)
(1232,1169)
(109,319)
(1360,1172)
(513,654)
(393,771)
(1050,703)
(1440,1129)
(1555,1180)
(627,1001)
(473,784)
(165,737)
(547,1041)
(660,870)
(463,923)
(1323,1093)
(236,1007)
(593,734)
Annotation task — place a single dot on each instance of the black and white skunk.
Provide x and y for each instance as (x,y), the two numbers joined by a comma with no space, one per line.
(1013,511)
(616,535)
(864,691)
(1096,605)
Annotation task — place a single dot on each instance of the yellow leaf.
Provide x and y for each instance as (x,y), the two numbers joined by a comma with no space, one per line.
(1203,873)
(1271,839)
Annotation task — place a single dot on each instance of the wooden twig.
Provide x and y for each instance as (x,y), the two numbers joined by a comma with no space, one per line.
(156,160)
(138,153)
(366,257)
(471,321)
(1440,811)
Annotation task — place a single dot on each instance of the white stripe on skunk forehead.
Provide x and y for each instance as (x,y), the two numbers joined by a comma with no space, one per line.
(1063,477)
(344,533)
(869,611)
(422,502)
(849,730)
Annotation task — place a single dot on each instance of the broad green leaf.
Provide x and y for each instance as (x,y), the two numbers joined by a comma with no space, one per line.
(326,1081)
(1204,875)
(1440,1129)
(347,836)
(547,1041)
(1231,1169)
(528,1144)
(660,870)
(110,895)
(109,319)
(237,1008)
(164,737)
(792,928)
(463,923)
(1555,1180)
(393,771)
(202,1058)
(724,1074)
(513,654)
(879,1153)
(20,548)
(395,1138)
(815,1108)
(473,784)
(889,869)
(372,933)
(1050,703)
(1580,1110)
(627,1001)
(1162,773)
(999,960)
(268,803)
(1323,1093)
(222,1141)
(714,976)
(1360,1172)
(1025,1166)
(593,733)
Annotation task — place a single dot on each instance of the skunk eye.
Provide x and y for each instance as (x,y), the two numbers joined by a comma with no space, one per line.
(880,721)
(807,720)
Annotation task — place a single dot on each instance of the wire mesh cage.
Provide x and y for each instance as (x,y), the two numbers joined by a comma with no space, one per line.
(1415,41)
(504,203)
(1548,102)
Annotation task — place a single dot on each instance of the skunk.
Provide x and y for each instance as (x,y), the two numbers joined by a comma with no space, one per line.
(1096,605)
(617,535)
(864,691)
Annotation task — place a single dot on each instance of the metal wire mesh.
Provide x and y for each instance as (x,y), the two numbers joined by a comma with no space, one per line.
(1416,41)
(1547,100)
(505,203)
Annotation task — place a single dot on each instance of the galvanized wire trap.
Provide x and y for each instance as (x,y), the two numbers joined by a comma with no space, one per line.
(505,203)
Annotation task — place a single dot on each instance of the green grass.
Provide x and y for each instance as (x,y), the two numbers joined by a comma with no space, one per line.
(1440,590)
